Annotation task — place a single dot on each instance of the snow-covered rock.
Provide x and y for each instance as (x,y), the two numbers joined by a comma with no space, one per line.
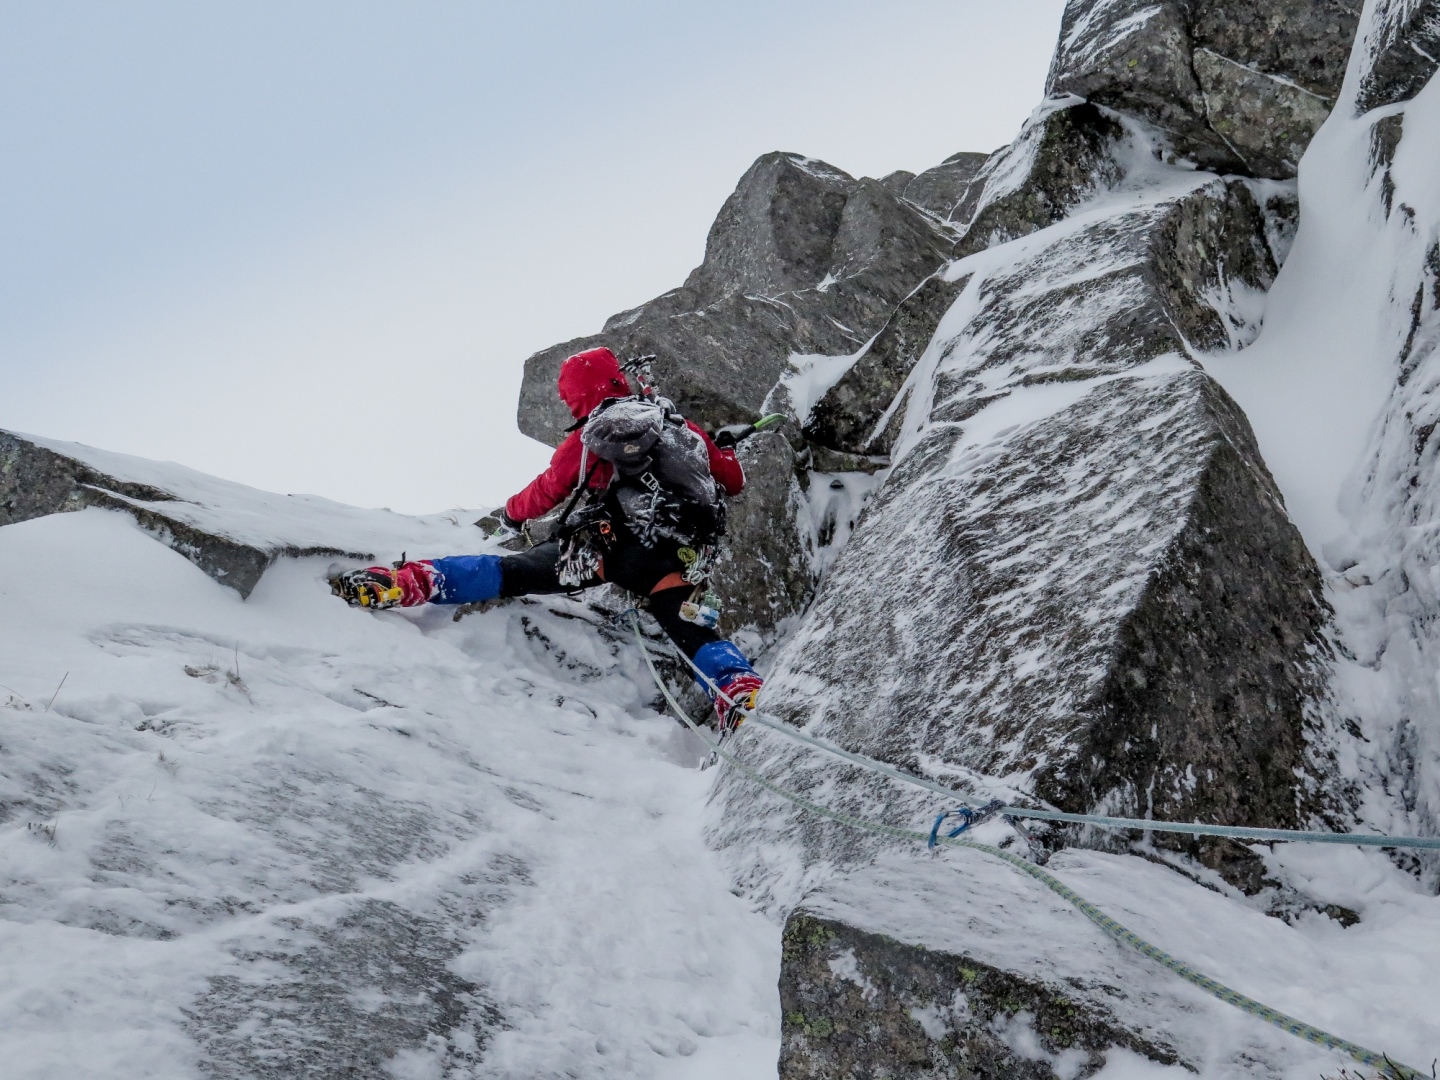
(1237,86)
(1341,389)
(232,532)
(802,259)
(1079,581)
(1078,575)
(946,189)
(1400,51)
(848,416)
(1064,155)
(861,1004)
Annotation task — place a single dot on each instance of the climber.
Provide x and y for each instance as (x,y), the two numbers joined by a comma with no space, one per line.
(652,517)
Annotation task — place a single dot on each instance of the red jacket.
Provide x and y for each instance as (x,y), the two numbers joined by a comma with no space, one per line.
(587,379)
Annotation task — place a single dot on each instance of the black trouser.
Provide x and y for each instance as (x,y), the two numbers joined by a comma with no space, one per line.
(630,565)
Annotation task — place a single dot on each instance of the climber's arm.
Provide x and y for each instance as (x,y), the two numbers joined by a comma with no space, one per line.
(724,465)
(546,491)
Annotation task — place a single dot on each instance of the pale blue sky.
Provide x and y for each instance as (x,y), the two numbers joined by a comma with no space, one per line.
(308,245)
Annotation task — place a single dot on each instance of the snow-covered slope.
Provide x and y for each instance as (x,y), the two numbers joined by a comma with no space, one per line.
(278,838)
(281,838)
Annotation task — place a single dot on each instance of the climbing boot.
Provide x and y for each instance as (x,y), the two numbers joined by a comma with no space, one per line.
(406,584)
(736,700)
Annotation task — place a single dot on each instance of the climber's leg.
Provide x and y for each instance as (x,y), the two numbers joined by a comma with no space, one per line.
(724,666)
(469,579)
(456,579)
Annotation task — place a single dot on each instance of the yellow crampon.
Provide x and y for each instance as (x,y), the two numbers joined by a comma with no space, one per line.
(368,588)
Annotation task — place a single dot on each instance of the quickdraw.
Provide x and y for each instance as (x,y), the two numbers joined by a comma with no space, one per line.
(699,562)
(969,818)
(582,554)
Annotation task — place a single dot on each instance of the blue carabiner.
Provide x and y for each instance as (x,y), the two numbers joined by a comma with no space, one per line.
(961,812)
(969,817)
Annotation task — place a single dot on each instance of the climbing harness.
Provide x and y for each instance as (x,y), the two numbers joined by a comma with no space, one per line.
(1389,1067)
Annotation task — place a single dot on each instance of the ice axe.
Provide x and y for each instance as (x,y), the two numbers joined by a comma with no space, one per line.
(728,437)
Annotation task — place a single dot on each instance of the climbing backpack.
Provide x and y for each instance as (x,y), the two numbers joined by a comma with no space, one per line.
(662,487)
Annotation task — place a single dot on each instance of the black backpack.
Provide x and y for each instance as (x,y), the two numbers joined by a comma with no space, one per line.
(662,487)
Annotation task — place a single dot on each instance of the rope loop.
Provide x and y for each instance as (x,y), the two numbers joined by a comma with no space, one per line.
(1391,1069)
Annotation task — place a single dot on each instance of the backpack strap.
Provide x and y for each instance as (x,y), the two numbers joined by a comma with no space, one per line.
(583,486)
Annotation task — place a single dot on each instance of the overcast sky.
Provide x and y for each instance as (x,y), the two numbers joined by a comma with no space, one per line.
(308,245)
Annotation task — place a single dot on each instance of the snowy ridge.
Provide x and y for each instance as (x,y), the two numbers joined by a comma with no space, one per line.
(269,521)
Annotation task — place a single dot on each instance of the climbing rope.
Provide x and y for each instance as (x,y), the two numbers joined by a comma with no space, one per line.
(1299,1028)
(1234,832)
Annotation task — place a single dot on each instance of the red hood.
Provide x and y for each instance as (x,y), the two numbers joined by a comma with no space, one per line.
(588,378)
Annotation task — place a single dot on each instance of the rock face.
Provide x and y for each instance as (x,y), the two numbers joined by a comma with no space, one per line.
(848,417)
(1402,47)
(766,575)
(1213,244)
(866,1005)
(1237,86)
(949,189)
(1065,154)
(1079,574)
(802,259)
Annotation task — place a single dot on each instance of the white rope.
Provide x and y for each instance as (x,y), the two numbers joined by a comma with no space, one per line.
(1319,1037)
(1234,832)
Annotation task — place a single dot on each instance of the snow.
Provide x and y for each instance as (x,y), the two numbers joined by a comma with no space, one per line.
(241,819)
(1027,405)
(267,520)
(1371,983)
(1339,388)
(835,502)
(809,377)
(1100,14)
(1322,368)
